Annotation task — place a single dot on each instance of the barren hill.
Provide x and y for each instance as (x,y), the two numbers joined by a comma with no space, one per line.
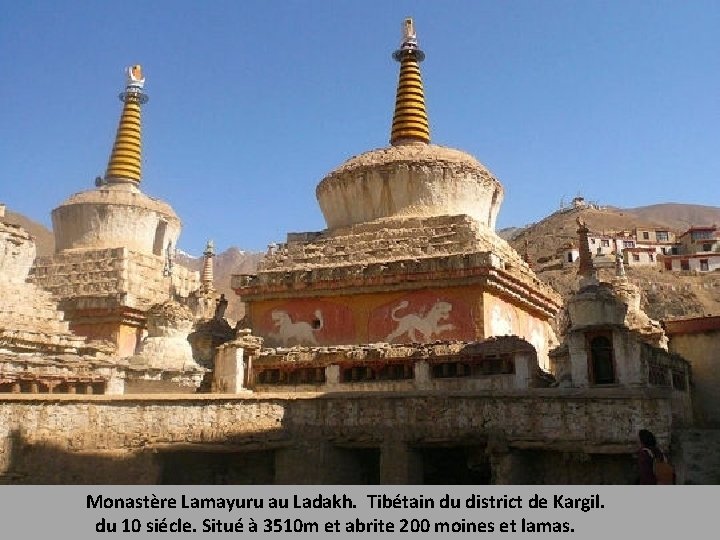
(548,235)
(44,239)
(231,261)
(677,216)
(665,294)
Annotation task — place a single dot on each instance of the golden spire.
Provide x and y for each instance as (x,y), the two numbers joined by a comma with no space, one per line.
(126,157)
(410,122)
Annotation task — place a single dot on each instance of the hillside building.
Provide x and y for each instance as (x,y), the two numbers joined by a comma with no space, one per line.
(568,253)
(697,250)
(662,239)
(640,256)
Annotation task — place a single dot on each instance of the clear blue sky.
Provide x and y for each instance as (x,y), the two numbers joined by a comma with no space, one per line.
(253,102)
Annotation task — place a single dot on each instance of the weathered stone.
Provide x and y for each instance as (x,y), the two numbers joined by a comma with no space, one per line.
(115,215)
(166,345)
(124,429)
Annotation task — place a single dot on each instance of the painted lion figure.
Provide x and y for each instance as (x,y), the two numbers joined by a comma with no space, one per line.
(298,333)
(427,325)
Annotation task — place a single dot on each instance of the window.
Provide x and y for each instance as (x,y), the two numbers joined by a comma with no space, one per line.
(704,267)
(592,240)
(628,243)
(291,377)
(570,256)
(662,236)
(701,235)
(360,373)
(646,235)
(601,357)
(707,247)
(605,243)
(652,257)
(684,264)
(679,381)
(674,250)
(668,264)
(636,257)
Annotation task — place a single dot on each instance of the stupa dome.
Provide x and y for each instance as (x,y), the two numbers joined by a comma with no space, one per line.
(409,180)
(115,215)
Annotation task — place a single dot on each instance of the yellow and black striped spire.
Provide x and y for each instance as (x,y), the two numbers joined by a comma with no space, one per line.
(126,158)
(410,122)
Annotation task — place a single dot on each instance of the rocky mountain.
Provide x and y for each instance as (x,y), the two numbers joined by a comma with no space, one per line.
(231,261)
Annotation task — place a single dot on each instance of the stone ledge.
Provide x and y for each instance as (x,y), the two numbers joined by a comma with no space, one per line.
(530,394)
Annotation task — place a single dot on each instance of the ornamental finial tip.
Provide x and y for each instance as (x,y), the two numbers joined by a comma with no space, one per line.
(408,29)
(135,76)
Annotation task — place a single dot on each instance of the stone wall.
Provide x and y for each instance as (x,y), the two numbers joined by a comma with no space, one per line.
(696,456)
(17,252)
(504,363)
(29,317)
(45,373)
(701,350)
(121,276)
(73,439)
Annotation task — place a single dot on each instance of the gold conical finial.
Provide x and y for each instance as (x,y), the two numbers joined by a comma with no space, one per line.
(410,122)
(126,157)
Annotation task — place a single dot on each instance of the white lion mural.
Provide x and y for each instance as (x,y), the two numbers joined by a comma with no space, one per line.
(427,325)
(295,333)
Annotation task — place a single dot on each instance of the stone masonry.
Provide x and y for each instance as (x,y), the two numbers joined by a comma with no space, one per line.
(120,436)
(29,318)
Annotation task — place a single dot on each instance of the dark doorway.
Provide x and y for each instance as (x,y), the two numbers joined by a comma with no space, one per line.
(460,465)
(601,352)
(362,465)
(189,467)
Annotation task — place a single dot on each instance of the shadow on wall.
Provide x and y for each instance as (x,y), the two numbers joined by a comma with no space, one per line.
(32,463)
(306,462)
(281,462)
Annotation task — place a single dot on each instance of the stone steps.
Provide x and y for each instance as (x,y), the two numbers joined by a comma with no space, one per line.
(29,319)
(357,246)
